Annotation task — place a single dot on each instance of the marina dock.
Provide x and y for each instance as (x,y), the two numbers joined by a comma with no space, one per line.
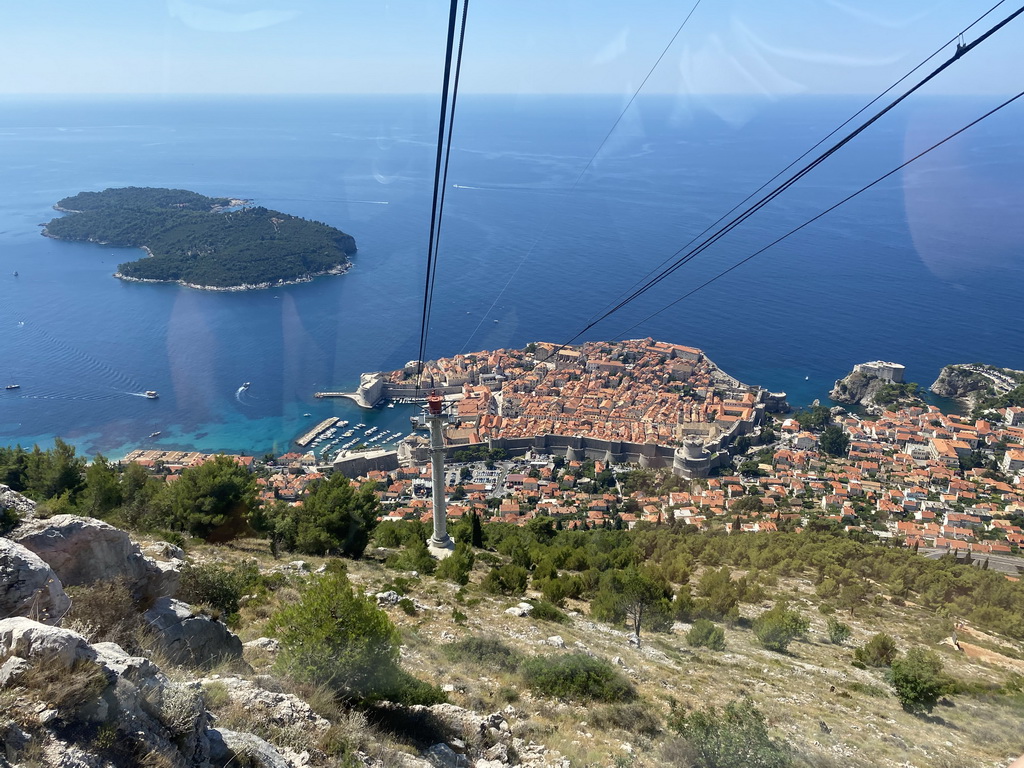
(316,431)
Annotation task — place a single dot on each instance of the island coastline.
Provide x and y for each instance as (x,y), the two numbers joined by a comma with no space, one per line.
(274,248)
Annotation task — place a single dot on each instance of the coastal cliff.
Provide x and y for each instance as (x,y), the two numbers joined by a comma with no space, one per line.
(875,389)
(979,386)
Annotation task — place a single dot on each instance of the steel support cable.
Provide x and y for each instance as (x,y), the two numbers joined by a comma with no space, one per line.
(828,210)
(579,176)
(442,122)
(962,50)
(837,129)
(447,158)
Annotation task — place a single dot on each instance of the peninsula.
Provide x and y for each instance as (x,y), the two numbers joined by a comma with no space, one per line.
(637,401)
(213,243)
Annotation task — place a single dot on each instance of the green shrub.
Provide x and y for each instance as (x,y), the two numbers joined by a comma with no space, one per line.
(577,676)
(459,617)
(777,628)
(919,681)
(505,580)
(880,651)
(838,633)
(736,737)
(414,557)
(408,606)
(704,634)
(634,717)
(484,652)
(220,588)
(458,565)
(545,611)
(336,637)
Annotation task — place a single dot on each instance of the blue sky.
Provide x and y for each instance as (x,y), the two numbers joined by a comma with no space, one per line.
(513,46)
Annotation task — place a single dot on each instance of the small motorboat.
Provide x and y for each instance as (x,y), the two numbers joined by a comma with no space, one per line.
(152,394)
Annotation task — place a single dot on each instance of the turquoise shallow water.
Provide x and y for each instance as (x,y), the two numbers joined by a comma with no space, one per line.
(924,270)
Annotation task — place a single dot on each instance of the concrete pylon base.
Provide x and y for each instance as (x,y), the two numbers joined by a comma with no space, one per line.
(440,550)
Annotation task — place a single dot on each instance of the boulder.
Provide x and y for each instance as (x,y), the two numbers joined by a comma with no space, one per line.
(522,610)
(190,638)
(28,586)
(12,501)
(556,641)
(443,756)
(82,550)
(230,748)
(152,715)
(275,710)
(30,639)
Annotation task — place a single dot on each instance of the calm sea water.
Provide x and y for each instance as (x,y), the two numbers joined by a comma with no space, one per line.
(924,269)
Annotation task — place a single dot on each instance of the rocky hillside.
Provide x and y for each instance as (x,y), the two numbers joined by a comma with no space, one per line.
(873,393)
(101,664)
(977,385)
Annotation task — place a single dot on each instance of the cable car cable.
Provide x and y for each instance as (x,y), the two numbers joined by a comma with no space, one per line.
(579,176)
(823,213)
(957,38)
(443,126)
(960,52)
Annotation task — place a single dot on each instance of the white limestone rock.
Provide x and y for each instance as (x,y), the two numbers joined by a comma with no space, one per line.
(82,550)
(30,639)
(282,710)
(190,638)
(22,506)
(231,748)
(522,610)
(28,586)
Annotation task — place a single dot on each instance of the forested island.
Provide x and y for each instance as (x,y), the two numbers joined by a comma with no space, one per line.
(215,243)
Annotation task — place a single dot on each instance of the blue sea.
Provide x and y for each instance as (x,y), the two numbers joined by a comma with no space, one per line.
(924,269)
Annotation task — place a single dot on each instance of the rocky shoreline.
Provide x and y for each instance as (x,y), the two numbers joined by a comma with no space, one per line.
(339,270)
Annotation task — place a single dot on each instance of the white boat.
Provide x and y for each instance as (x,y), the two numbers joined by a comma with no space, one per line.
(152,394)
(245,385)
(154,434)
(13,386)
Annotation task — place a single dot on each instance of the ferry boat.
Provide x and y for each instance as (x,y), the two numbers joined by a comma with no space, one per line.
(152,394)
(13,386)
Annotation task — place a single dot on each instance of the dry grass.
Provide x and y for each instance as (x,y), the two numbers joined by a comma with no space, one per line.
(813,684)
(63,689)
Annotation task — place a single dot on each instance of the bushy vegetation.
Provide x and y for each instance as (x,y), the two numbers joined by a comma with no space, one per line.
(735,737)
(458,565)
(219,587)
(545,611)
(106,612)
(336,517)
(336,637)
(919,681)
(211,500)
(191,242)
(880,651)
(704,634)
(484,652)
(509,579)
(577,676)
(838,633)
(777,628)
